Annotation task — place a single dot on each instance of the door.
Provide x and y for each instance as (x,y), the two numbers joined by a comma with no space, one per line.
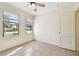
(77,29)
(67,39)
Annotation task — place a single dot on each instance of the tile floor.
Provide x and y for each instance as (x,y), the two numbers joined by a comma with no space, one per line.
(36,48)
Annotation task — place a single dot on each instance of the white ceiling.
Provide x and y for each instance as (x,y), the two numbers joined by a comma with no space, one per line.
(49,6)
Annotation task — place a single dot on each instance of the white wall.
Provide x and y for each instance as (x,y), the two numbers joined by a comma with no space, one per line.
(47,26)
(7,42)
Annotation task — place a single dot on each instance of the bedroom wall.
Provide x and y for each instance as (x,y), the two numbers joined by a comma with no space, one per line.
(57,27)
(7,42)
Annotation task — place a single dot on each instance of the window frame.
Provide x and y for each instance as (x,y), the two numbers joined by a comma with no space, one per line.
(4,20)
(25,27)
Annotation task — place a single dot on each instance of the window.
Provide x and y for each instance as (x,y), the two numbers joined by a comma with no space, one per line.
(10,24)
(28,26)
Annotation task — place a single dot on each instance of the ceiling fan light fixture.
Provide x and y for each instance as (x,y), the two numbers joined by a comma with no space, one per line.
(35,5)
(30,6)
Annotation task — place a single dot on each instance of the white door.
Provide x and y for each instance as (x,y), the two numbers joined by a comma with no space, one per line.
(66,33)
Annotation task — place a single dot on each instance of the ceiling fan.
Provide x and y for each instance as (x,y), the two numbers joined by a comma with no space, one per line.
(35,5)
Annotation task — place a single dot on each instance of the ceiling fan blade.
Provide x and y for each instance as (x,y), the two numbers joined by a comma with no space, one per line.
(40,4)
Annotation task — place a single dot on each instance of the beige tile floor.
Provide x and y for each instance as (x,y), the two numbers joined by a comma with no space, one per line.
(36,48)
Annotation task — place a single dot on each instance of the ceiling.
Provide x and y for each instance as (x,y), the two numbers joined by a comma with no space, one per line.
(49,6)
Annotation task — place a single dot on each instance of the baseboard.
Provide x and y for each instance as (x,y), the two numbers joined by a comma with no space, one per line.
(57,46)
(17,46)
